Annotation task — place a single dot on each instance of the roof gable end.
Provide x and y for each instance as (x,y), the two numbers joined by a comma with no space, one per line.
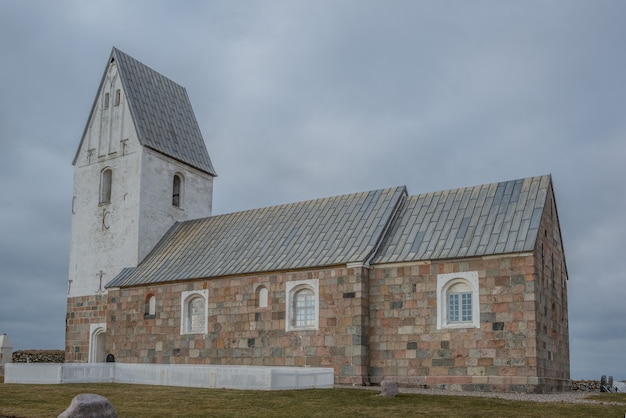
(161,113)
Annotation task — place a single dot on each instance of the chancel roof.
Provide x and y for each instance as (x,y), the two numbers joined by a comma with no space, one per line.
(376,227)
(162,113)
(489,219)
(323,232)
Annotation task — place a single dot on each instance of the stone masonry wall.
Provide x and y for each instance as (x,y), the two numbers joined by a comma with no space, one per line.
(551,300)
(406,346)
(240,332)
(38,356)
(82,311)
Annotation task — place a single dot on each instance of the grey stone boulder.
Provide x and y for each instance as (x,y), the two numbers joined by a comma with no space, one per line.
(89,405)
(390,388)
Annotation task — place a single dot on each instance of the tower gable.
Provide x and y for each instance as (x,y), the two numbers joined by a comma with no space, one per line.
(160,111)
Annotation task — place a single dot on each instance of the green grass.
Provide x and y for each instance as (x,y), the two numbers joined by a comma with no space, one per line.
(163,401)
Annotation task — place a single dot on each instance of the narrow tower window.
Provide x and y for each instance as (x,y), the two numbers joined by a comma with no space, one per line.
(106,100)
(117,97)
(177,190)
(105,185)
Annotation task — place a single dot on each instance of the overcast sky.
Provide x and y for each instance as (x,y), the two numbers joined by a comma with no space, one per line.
(305,99)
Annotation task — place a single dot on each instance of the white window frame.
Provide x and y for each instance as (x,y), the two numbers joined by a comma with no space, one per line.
(445,282)
(185,298)
(291,289)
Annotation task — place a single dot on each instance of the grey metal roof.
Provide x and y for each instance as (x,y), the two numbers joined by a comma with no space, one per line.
(473,221)
(161,112)
(315,233)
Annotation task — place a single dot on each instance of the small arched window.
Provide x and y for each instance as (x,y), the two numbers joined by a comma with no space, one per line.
(118,97)
(106,100)
(150,309)
(106,178)
(177,190)
(262,295)
(194,312)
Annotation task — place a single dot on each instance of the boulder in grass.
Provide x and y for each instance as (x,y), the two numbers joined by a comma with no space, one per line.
(390,388)
(89,405)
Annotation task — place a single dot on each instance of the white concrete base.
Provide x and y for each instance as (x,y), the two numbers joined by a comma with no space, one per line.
(203,376)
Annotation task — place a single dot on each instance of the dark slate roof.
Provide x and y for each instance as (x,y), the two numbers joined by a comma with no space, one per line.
(315,233)
(161,112)
(490,219)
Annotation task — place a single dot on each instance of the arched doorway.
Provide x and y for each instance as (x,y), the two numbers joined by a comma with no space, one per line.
(97,333)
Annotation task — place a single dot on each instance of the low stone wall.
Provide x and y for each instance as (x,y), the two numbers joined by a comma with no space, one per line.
(39,356)
(586,385)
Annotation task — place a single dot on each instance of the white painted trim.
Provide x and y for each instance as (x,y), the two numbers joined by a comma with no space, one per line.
(357,265)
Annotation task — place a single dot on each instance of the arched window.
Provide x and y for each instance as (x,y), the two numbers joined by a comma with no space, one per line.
(302,305)
(262,296)
(459,303)
(177,190)
(194,312)
(304,308)
(457,300)
(195,315)
(150,308)
(106,100)
(106,177)
(118,97)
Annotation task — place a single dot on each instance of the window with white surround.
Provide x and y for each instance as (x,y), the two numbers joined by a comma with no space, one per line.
(106,178)
(302,310)
(458,300)
(195,312)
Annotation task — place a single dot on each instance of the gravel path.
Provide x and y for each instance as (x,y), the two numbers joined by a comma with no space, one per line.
(568,397)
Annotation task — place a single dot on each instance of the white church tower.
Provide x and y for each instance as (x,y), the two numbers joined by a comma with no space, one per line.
(141,166)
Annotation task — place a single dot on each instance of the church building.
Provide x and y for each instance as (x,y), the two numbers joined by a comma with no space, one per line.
(462,289)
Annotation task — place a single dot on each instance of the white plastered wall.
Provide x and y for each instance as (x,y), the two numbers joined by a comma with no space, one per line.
(108,237)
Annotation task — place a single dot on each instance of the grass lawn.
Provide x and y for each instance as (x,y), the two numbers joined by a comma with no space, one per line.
(164,401)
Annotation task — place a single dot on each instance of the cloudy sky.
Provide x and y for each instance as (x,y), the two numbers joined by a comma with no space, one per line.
(305,99)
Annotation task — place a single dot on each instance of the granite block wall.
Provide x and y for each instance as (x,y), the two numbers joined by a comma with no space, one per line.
(406,346)
(82,311)
(242,333)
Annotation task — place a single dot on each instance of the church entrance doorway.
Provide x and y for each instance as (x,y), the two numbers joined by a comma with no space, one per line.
(96,343)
